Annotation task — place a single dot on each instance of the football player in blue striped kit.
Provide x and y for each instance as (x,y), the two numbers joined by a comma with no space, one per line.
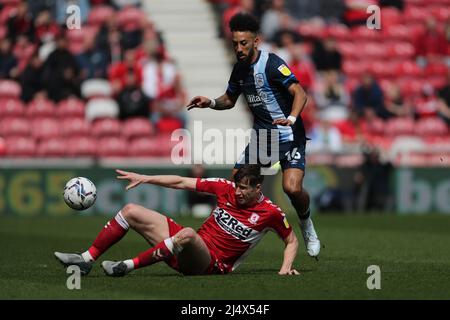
(276,101)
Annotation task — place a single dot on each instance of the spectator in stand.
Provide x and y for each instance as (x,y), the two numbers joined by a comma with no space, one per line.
(61,73)
(132,101)
(395,102)
(325,137)
(427,105)
(118,71)
(30,79)
(444,101)
(46,30)
(93,61)
(431,45)
(368,98)
(326,56)
(8,62)
(301,65)
(247,6)
(20,23)
(274,19)
(371,183)
(331,96)
(108,40)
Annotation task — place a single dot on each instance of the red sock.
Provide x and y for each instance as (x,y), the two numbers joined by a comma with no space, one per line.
(111,233)
(158,253)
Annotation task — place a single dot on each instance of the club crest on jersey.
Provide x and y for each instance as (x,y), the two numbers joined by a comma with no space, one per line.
(231,225)
(253,218)
(284,70)
(259,80)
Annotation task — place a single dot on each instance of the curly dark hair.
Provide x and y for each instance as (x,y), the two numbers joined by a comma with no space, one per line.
(250,173)
(244,22)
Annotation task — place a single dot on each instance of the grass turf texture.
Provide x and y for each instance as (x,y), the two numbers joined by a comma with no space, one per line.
(412,252)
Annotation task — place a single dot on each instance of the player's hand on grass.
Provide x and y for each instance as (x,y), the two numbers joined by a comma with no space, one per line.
(282,122)
(135,179)
(199,102)
(288,272)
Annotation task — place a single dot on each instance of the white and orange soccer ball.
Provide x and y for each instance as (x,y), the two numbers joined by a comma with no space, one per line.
(80,193)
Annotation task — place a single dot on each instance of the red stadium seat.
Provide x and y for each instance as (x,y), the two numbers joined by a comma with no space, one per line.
(408,68)
(2,147)
(431,126)
(53,147)
(436,69)
(20,147)
(112,147)
(40,107)
(11,108)
(81,147)
(137,127)
(371,50)
(374,127)
(10,89)
(397,33)
(71,108)
(166,144)
(354,68)
(362,33)
(45,128)
(100,14)
(348,49)
(399,126)
(415,15)
(440,12)
(339,31)
(3,32)
(76,127)
(382,69)
(390,16)
(410,87)
(16,127)
(312,30)
(168,125)
(106,127)
(401,50)
(144,147)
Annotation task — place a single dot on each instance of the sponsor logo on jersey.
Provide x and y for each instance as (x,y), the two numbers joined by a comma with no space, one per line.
(254,218)
(259,80)
(231,225)
(284,70)
(252,98)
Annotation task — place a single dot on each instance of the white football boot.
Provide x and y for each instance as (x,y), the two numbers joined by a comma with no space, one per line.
(73,259)
(115,268)
(312,242)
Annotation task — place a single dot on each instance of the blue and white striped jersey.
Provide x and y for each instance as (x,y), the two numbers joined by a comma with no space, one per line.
(265,86)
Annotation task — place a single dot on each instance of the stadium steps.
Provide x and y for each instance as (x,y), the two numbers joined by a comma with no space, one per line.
(190,31)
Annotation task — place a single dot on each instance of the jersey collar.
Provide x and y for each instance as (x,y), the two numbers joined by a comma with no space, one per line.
(257,59)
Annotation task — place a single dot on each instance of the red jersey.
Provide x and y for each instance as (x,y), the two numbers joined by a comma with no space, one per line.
(232,231)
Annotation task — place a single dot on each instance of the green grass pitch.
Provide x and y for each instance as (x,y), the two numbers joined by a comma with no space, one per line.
(411,251)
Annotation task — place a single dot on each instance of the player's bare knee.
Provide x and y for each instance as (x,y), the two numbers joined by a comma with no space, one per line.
(293,189)
(185,236)
(129,213)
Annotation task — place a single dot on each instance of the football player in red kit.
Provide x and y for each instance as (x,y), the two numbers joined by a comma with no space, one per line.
(242,217)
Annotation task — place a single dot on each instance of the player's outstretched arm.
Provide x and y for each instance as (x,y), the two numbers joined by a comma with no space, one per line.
(290,252)
(300,99)
(169,181)
(223,102)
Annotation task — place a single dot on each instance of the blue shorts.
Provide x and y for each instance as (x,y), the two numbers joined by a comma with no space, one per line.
(290,154)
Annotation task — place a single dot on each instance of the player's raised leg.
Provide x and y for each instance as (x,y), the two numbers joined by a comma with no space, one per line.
(293,187)
(150,224)
(191,253)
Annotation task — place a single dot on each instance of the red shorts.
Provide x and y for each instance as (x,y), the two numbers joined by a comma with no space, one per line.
(215,266)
